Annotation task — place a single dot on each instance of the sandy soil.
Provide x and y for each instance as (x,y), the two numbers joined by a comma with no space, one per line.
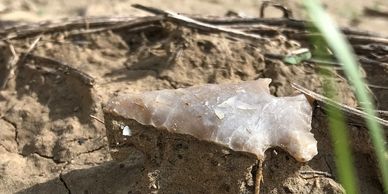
(346,12)
(48,141)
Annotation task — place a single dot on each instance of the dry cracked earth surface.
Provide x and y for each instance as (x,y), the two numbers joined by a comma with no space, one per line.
(50,144)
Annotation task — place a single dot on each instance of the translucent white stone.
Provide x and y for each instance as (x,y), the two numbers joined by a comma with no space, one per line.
(126,131)
(242,116)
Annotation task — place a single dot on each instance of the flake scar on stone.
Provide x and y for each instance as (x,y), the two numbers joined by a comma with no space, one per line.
(242,116)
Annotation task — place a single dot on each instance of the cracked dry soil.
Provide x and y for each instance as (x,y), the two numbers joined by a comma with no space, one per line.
(50,144)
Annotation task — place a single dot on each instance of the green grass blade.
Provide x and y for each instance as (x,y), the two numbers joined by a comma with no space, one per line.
(345,55)
(337,124)
(340,140)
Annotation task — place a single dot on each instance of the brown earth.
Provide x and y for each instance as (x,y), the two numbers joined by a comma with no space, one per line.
(349,13)
(49,143)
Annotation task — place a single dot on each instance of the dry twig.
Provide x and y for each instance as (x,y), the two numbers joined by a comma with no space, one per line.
(314,174)
(381,12)
(11,66)
(97,119)
(104,23)
(62,67)
(259,177)
(200,25)
(356,115)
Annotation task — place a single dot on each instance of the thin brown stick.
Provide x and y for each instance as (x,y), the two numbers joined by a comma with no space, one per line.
(287,13)
(31,47)
(11,65)
(105,23)
(353,39)
(381,12)
(108,23)
(62,67)
(377,86)
(201,25)
(314,174)
(352,112)
(261,29)
(259,177)
(358,39)
(371,61)
(97,119)
(278,22)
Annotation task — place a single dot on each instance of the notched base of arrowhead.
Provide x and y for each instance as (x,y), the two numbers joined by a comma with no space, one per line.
(177,158)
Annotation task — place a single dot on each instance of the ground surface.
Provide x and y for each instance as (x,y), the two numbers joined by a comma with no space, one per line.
(49,143)
(346,12)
